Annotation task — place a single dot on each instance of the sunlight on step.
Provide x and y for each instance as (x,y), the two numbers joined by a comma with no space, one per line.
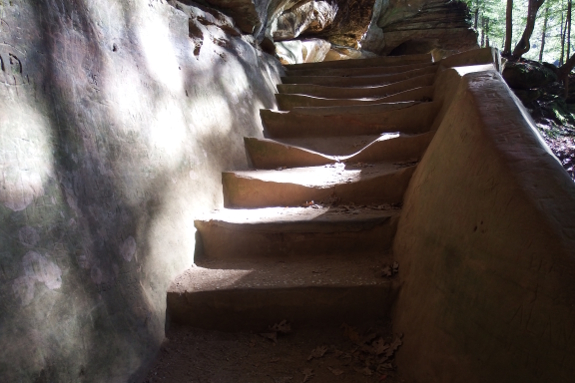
(271,214)
(209,279)
(387,136)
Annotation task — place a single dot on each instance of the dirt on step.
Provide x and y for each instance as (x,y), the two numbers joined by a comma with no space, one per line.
(279,355)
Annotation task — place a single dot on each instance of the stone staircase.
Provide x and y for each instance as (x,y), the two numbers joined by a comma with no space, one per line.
(306,235)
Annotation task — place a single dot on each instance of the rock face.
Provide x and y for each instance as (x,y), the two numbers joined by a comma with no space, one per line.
(420,26)
(310,17)
(393,27)
(350,24)
(116,120)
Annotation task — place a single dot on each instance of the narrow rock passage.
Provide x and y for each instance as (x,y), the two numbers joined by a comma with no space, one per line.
(305,236)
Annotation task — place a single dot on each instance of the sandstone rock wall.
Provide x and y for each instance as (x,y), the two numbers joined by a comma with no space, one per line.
(116,119)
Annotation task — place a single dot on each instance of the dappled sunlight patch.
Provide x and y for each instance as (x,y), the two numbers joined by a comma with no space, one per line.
(25,158)
(37,268)
(167,134)
(158,50)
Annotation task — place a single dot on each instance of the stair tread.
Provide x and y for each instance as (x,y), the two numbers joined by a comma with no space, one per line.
(323,176)
(320,271)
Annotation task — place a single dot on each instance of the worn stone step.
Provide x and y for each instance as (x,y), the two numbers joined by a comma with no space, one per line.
(286,232)
(240,295)
(368,71)
(412,120)
(273,154)
(345,183)
(291,101)
(365,63)
(355,81)
(357,92)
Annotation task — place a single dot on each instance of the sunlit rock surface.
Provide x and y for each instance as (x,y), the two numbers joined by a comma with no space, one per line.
(302,51)
(116,120)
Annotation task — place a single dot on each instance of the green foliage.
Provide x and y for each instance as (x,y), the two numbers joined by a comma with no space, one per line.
(491,23)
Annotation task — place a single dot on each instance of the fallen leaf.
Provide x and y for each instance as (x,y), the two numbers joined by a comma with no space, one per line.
(384,367)
(365,371)
(335,371)
(350,333)
(379,346)
(273,336)
(394,346)
(283,327)
(307,375)
(317,353)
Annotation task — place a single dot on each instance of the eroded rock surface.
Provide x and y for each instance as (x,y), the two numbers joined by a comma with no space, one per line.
(420,26)
(310,17)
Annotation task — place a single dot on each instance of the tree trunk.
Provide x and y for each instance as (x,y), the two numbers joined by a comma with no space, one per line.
(482,32)
(562,57)
(543,32)
(569,6)
(476,18)
(486,32)
(564,71)
(508,28)
(523,44)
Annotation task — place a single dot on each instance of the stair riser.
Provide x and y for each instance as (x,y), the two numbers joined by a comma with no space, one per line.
(343,92)
(256,310)
(291,101)
(365,63)
(398,149)
(272,155)
(242,192)
(417,119)
(358,81)
(373,71)
(286,240)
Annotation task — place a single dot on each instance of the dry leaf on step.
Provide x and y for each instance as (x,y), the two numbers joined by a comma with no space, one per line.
(283,327)
(350,333)
(307,375)
(335,371)
(379,346)
(317,352)
(393,346)
(273,336)
(365,371)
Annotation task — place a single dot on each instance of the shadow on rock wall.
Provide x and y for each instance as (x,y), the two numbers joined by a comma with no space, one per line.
(112,141)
